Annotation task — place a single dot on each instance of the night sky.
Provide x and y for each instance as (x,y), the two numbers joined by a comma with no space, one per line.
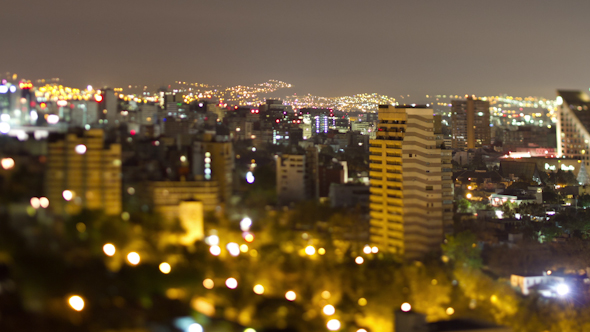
(322,47)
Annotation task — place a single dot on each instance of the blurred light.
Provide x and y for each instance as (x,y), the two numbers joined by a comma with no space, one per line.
(4,127)
(12,88)
(76,302)
(367,249)
(359,260)
(34,116)
(80,149)
(406,307)
(374,250)
(109,249)
(326,295)
(5,117)
(68,195)
(52,119)
(361,330)
(329,310)
(249,237)
(165,268)
(562,289)
(231,283)
(244,248)
(259,289)
(44,201)
(233,248)
(549,272)
(321,251)
(291,296)
(195,327)
(182,159)
(213,240)
(362,302)
(89,88)
(249,330)
(7,163)
(215,250)
(81,227)
(3,89)
(133,258)
(208,283)
(98,97)
(468,195)
(245,224)
(35,203)
(333,325)
(250,177)
(310,250)
(450,311)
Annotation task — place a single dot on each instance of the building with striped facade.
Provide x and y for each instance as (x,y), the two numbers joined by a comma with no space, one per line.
(411,187)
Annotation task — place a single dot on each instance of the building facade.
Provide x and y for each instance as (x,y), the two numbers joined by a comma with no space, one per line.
(410,177)
(87,169)
(470,123)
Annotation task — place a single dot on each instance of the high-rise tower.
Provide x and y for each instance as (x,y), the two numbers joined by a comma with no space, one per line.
(411,189)
(471,123)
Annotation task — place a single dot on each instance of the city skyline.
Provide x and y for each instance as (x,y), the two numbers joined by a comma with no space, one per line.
(391,49)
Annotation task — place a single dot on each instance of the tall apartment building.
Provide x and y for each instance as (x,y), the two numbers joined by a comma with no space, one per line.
(470,123)
(297,176)
(214,160)
(410,177)
(89,170)
(573,125)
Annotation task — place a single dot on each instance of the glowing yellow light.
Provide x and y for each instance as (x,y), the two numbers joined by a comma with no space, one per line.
(469,195)
(208,283)
(359,260)
(450,311)
(326,295)
(244,248)
(109,249)
(259,289)
(165,268)
(133,258)
(249,330)
(249,237)
(494,298)
(44,202)
(367,249)
(406,307)
(329,310)
(76,302)
(68,195)
(362,302)
(215,250)
(7,163)
(35,203)
(333,325)
(361,330)
(374,250)
(310,250)
(321,251)
(291,296)
(231,283)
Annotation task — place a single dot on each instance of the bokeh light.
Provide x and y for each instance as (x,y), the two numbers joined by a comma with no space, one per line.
(231,283)
(109,249)
(133,258)
(291,296)
(76,302)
